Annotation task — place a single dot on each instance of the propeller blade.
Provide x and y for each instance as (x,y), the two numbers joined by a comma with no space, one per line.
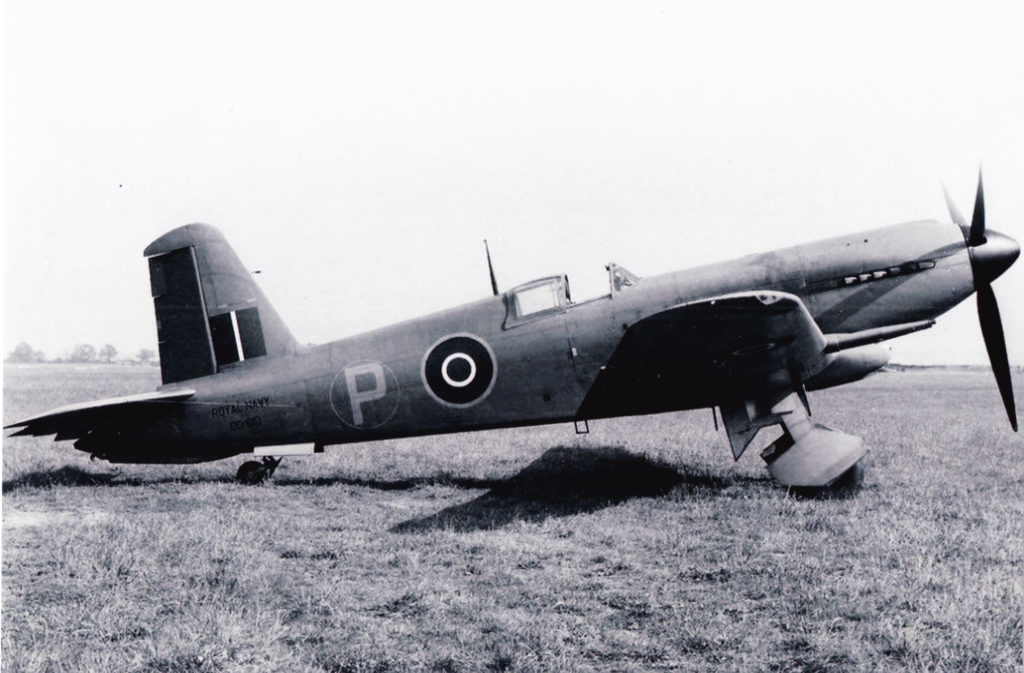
(995,343)
(954,212)
(977,236)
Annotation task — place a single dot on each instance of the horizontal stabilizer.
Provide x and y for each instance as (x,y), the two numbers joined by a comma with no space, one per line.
(77,420)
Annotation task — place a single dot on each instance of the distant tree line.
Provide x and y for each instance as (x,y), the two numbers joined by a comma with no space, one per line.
(81,353)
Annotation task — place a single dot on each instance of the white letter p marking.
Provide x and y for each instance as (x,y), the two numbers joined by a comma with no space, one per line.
(359,374)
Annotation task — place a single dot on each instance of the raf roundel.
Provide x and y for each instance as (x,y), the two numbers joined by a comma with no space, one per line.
(459,370)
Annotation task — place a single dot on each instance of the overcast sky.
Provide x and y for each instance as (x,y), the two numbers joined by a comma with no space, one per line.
(357,154)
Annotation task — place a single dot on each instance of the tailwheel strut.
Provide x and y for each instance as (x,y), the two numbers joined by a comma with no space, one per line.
(256,472)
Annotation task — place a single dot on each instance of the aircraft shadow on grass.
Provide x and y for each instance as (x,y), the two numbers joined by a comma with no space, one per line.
(561,482)
(565,481)
(72,476)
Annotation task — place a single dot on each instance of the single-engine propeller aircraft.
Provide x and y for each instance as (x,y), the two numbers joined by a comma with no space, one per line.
(749,337)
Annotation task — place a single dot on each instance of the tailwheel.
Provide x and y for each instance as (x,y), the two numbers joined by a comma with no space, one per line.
(255,472)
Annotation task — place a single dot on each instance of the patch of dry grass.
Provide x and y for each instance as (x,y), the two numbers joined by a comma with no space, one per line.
(638,547)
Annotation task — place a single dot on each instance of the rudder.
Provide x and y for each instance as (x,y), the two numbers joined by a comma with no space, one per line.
(210,314)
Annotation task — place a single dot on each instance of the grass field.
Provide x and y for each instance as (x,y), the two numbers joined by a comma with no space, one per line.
(640,546)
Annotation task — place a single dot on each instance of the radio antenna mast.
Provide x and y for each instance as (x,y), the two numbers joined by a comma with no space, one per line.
(490,267)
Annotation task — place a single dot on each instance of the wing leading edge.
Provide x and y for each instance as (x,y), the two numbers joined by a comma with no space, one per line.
(737,346)
(77,420)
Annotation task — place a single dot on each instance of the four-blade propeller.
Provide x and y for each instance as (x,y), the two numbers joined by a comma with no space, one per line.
(991,254)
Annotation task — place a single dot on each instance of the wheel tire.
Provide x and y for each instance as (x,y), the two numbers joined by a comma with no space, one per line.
(847,485)
(849,482)
(251,472)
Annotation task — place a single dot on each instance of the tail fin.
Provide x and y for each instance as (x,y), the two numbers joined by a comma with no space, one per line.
(209,311)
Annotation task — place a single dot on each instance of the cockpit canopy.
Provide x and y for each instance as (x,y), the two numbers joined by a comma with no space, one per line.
(547,296)
(537,298)
(619,277)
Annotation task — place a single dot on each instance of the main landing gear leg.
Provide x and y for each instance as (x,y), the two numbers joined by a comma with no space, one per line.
(254,472)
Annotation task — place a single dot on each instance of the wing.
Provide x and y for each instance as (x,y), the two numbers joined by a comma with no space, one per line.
(77,420)
(734,347)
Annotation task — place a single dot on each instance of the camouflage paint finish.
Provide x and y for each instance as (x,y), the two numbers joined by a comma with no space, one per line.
(376,385)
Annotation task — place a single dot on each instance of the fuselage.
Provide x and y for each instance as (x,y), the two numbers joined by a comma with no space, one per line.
(431,374)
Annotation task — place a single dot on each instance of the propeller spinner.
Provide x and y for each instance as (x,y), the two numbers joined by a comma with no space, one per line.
(991,254)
